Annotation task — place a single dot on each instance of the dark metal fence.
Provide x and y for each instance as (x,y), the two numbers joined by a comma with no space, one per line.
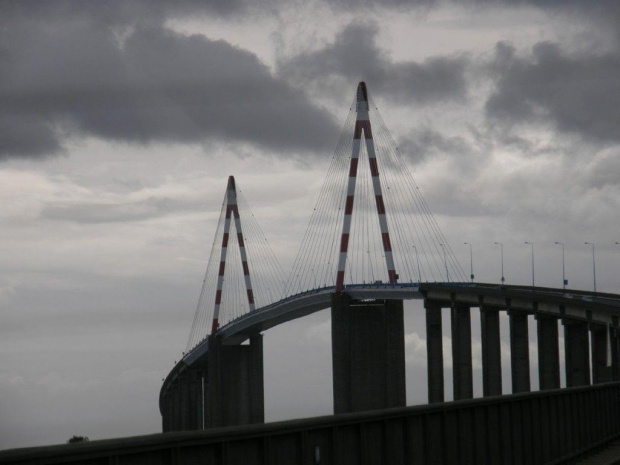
(531,428)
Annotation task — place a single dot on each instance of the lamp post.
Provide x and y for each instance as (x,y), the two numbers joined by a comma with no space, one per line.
(471,261)
(417,259)
(593,265)
(445,262)
(564,281)
(501,246)
(531,244)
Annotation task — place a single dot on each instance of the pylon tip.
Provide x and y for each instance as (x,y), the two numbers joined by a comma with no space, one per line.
(231,182)
(362,92)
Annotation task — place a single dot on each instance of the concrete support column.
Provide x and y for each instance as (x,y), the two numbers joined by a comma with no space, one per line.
(601,373)
(434,351)
(165,418)
(184,400)
(615,359)
(491,352)
(235,378)
(194,400)
(204,385)
(519,352)
(548,352)
(368,354)
(256,385)
(576,349)
(461,352)
(176,424)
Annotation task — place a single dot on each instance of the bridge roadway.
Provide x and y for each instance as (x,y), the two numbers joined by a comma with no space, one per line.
(569,306)
(299,305)
(581,304)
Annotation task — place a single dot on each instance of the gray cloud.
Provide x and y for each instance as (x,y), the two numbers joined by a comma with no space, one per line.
(75,78)
(152,207)
(604,170)
(580,94)
(354,55)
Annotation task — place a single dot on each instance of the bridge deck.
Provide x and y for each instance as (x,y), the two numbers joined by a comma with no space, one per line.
(306,303)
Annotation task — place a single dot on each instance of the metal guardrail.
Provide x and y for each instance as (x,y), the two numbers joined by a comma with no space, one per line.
(542,427)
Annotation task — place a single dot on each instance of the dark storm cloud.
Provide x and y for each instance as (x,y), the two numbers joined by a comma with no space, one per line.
(26,135)
(76,77)
(354,55)
(425,142)
(580,94)
(116,12)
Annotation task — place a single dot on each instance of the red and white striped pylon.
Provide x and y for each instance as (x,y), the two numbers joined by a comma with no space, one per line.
(362,122)
(231,208)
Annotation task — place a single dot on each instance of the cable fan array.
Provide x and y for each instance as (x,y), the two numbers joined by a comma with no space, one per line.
(420,249)
(234,285)
(264,273)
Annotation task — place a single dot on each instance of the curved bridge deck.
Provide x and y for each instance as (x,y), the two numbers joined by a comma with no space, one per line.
(557,303)
(521,297)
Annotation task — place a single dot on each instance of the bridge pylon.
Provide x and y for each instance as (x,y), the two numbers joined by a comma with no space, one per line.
(362,125)
(218,383)
(368,346)
(232,214)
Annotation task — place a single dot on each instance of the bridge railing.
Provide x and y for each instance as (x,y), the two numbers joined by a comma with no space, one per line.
(553,426)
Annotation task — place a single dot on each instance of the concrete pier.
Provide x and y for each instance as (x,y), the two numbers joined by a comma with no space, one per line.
(368,354)
(166,413)
(615,359)
(461,352)
(176,424)
(576,349)
(548,352)
(235,383)
(491,352)
(601,373)
(194,400)
(519,351)
(183,400)
(434,352)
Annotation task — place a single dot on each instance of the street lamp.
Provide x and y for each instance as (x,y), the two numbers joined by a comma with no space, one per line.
(417,259)
(445,262)
(502,252)
(593,265)
(471,261)
(564,281)
(532,245)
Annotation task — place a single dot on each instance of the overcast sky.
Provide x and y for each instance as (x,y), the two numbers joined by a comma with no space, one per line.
(121,120)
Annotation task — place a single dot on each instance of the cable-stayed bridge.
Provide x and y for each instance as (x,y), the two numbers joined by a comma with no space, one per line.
(371,243)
